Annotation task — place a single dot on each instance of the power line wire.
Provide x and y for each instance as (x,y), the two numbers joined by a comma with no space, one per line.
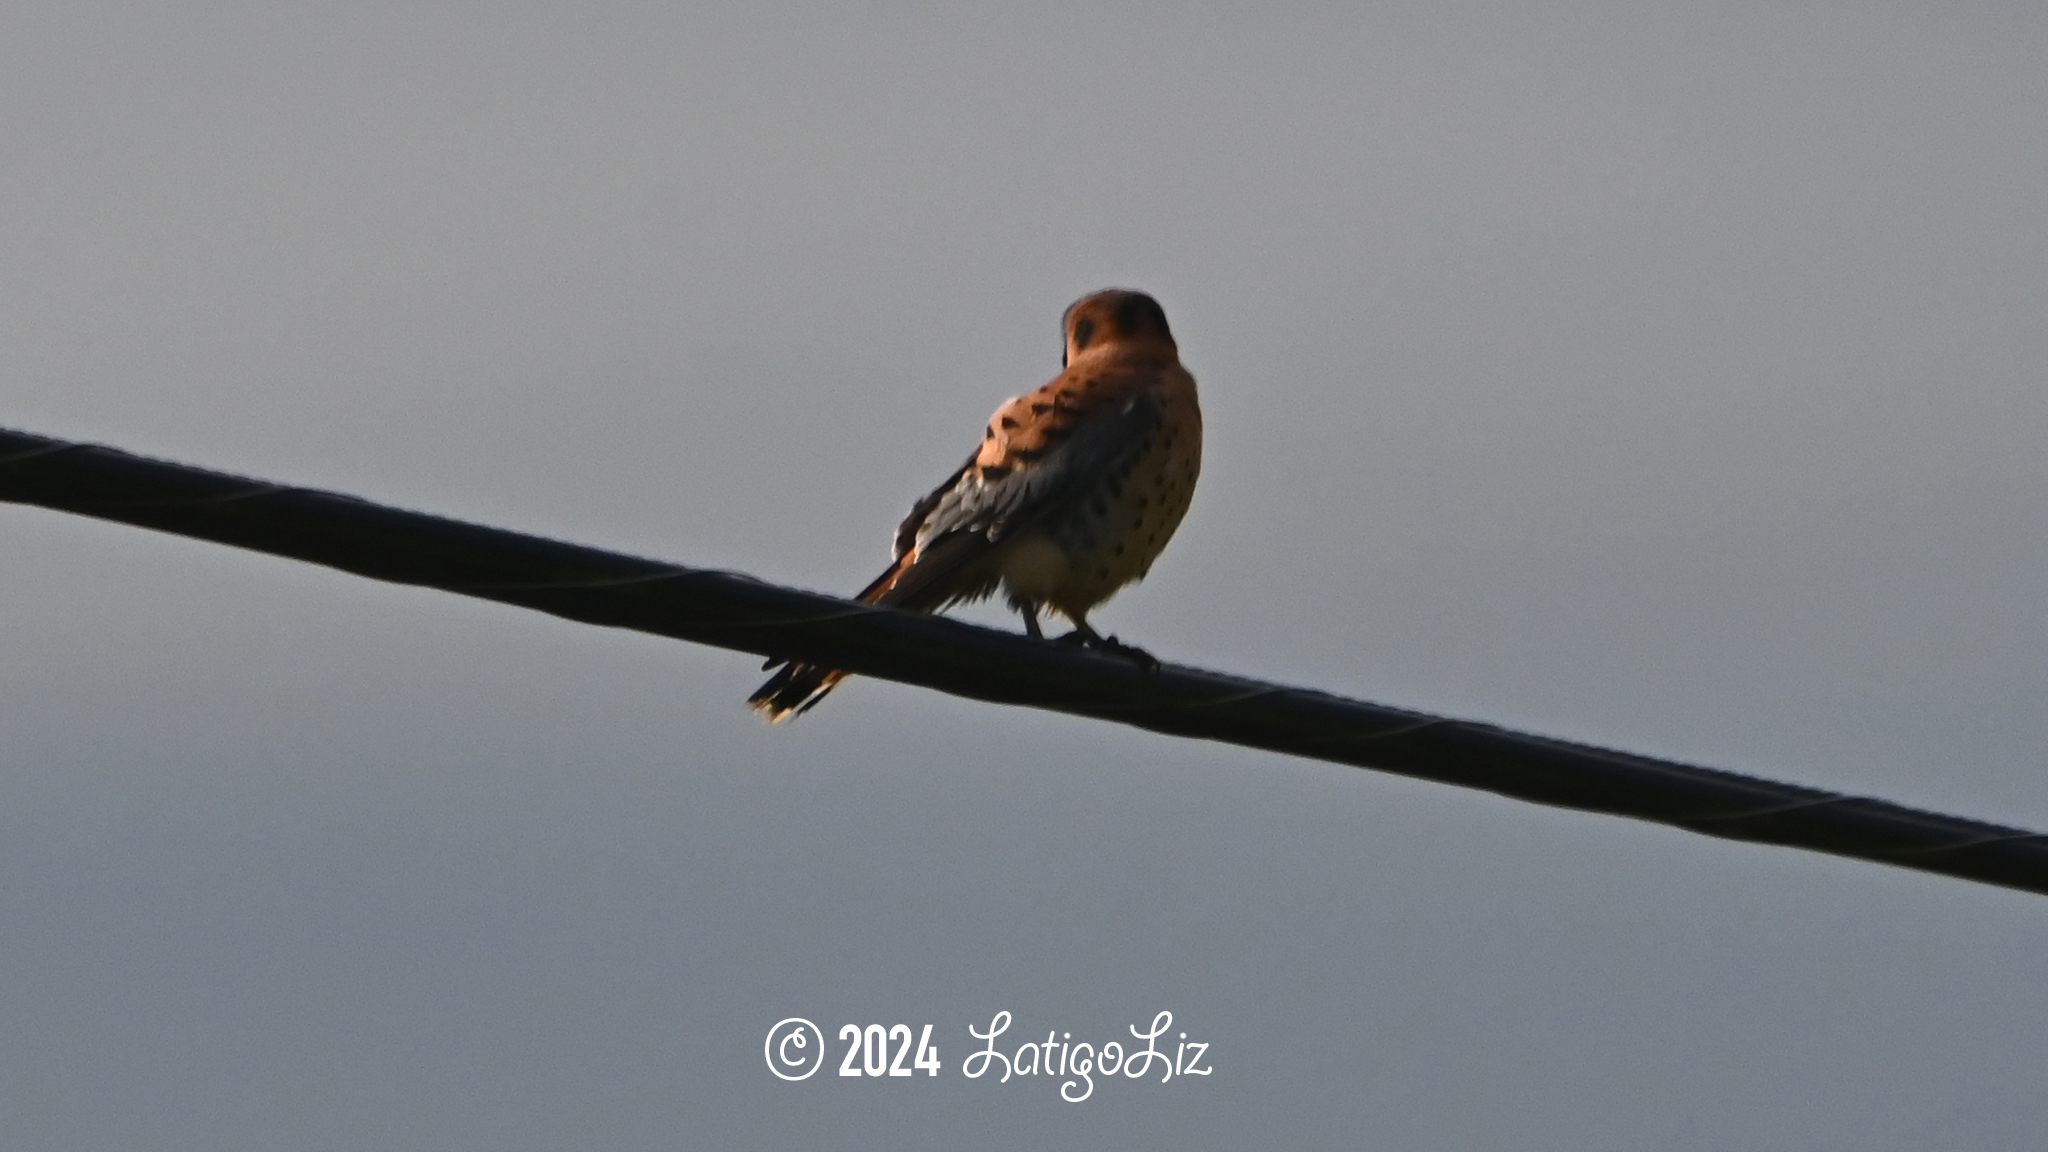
(737,611)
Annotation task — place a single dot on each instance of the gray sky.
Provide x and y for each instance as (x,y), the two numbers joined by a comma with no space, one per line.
(1667,377)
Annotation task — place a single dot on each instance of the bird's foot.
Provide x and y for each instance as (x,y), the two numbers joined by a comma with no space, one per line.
(1089,638)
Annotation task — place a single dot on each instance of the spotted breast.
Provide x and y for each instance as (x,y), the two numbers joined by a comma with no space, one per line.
(1107,533)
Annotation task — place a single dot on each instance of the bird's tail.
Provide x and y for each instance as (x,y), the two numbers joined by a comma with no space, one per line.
(793,691)
(919,581)
(797,687)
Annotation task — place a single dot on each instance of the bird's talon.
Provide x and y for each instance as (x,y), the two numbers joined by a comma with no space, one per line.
(1111,646)
(1131,652)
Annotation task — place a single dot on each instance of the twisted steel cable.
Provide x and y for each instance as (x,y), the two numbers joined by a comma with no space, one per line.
(731,610)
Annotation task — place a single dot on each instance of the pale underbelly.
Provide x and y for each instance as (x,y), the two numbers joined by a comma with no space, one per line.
(1108,540)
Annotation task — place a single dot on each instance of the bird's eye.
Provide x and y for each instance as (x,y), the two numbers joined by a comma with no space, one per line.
(1084,331)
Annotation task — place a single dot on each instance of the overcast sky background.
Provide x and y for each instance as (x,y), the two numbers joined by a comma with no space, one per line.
(1662,376)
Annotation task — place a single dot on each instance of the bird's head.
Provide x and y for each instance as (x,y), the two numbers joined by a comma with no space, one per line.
(1114,317)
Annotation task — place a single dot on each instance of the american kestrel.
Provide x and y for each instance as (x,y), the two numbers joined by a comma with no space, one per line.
(1072,494)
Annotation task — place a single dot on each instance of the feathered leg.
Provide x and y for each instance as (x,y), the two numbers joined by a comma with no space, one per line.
(1029,609)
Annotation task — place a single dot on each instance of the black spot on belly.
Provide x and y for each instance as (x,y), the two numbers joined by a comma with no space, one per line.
(1009,421)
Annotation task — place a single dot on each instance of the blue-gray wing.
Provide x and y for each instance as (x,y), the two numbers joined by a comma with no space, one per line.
(1065,467)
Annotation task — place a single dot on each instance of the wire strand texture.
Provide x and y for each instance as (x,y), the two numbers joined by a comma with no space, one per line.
(731,610)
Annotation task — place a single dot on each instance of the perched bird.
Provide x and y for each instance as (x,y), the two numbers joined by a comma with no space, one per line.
(1072,494)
